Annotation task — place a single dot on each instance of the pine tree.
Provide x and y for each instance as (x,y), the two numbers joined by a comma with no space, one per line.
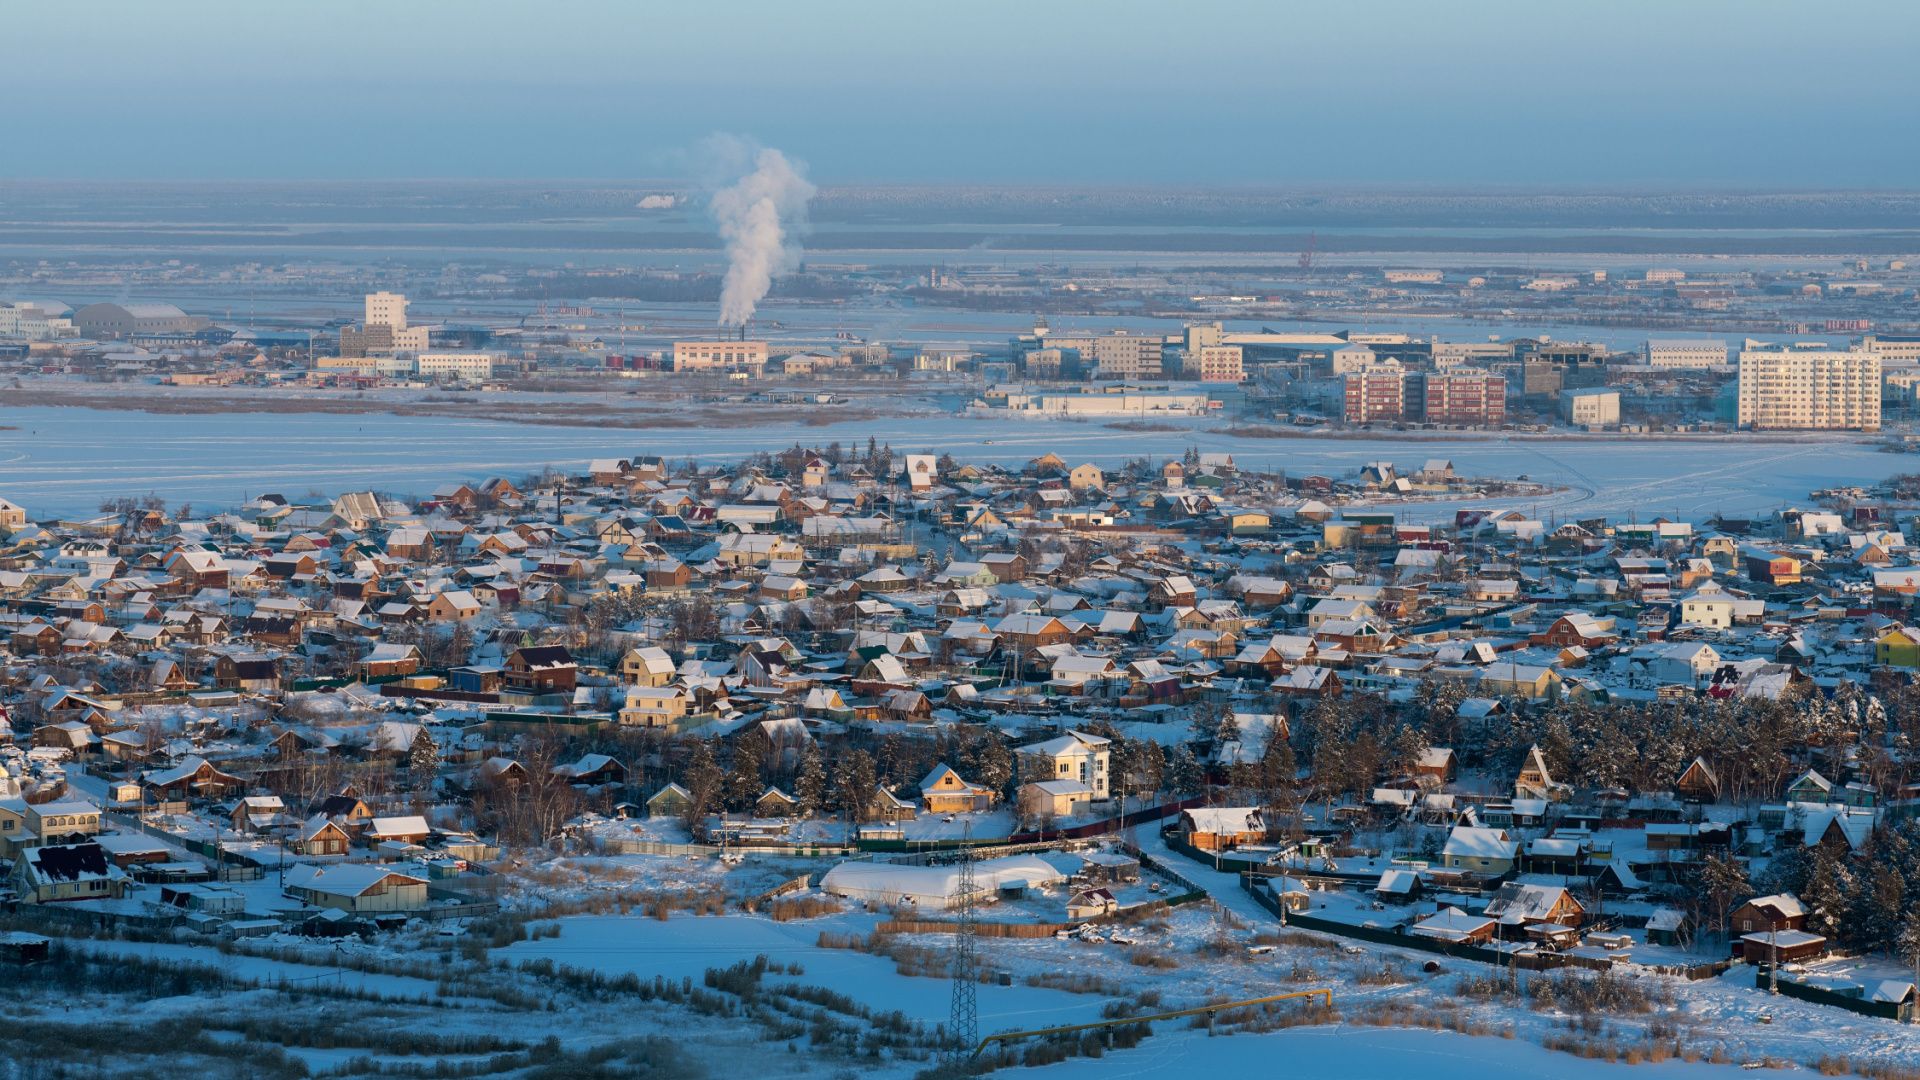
(1277,770)
(854,782)
(1723,880)
(1907,946)
(1875,922)
(743,782)
(1183,771)
(892,759)
(994,765)
(1227,730)
(423,762)
(1829,892)
(810,784)
(1408,747)
(705,783)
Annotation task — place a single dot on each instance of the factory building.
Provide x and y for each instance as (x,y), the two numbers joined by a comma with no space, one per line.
(135,320)
(720,356)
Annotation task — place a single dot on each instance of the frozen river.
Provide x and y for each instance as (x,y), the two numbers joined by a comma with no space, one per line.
(64,461)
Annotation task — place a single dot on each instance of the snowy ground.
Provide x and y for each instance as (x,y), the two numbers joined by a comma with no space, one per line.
(54,461)
(1184,957)
(684,946)
(1344,1053)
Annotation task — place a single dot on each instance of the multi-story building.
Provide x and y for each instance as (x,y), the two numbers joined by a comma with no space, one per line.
(1893,348)
(1376,393)
(386,309)
(1122,356)
(1593,407)
(1073,757)
(1454,353)
(1347,359)
(466,367)
(1044,364)
(384,331)
(1025,404)
(34,321)
(1548,367)
(1467,396)
(719,355)
(1900,387)
(1808,386)
(1686,353)
(1216,363)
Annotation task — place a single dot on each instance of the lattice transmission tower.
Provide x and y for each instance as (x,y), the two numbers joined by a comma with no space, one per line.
(963,1026)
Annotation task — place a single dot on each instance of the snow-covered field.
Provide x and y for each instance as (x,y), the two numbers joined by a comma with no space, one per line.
(688,946)
(63,461)
(1346,1053)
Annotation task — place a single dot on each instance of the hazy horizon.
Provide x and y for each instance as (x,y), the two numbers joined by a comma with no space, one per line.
(1628,96)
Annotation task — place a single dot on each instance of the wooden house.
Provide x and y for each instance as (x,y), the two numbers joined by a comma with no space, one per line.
(1217,829)
(943,791)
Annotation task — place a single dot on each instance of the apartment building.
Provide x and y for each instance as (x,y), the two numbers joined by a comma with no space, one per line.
(1375,394)
(1216,363)
(1120,355)
(1467,396)
(1808,386)
(1686,353)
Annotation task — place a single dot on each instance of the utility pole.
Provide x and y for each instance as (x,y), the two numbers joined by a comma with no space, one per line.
(964,1021)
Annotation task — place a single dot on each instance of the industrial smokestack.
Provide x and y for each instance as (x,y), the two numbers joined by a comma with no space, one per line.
(760,211)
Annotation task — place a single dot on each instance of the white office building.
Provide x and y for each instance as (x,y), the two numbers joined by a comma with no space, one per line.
(462,367)
(1591,408)
(386,309)
(1686,353)
(35,321)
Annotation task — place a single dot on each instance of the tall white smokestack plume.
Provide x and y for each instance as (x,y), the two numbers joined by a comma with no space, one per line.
(761,213)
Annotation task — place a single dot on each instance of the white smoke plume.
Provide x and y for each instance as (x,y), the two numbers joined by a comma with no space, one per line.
(761,211)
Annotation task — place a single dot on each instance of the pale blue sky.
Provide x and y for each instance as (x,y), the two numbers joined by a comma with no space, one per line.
(1693,92)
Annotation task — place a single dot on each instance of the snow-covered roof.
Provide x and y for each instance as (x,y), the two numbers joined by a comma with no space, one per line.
(935,886)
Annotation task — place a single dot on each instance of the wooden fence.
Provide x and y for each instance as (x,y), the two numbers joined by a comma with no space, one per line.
(623,846)
(1885,1010)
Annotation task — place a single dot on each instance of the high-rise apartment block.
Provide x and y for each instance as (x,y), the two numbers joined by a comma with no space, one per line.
(1216,363)
(1808,386)
(1467,396)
